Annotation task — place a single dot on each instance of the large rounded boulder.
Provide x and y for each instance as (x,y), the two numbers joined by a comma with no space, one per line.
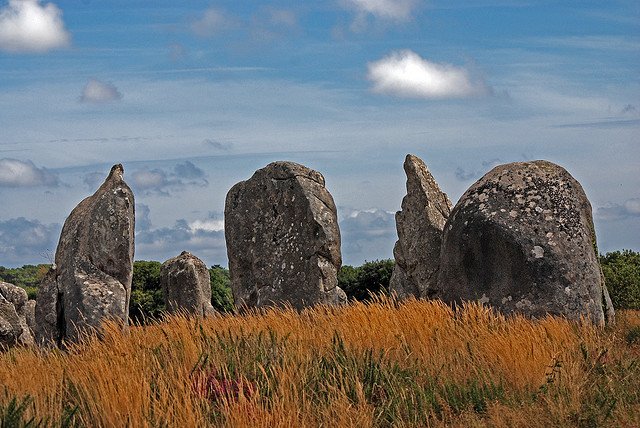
(283,240)
(522,240)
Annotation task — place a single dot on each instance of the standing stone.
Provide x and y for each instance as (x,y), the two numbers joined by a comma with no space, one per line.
(425,210)
(522,240)
(186,285)
(283,240)
(91,279)
(14,329)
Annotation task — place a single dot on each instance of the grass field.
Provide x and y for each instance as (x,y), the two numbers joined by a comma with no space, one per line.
(414,363)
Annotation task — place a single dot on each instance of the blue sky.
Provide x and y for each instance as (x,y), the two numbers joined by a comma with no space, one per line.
(194,97)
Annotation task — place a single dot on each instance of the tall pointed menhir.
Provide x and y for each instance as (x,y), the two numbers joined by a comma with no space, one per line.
(91,279)
(425,210)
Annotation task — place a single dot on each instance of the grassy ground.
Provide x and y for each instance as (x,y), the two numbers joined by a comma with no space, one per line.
(383,364)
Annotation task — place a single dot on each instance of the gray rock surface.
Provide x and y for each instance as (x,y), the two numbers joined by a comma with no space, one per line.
(425,210)
(186,285)
(30,315)
(14,329)
(91,279)
(522,240)
(283,241)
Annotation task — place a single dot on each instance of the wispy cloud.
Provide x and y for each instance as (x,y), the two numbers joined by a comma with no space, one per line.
(603,43)
(97,92)
(601,124)
(611,212)
(162,182)
(366,234)
(23,240)
(397,10)
(28,26)
(201,238)
(405,74)
(211,22)
(217,144)
(17,173)
(464,174)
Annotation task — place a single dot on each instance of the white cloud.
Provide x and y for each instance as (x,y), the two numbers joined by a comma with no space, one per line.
(25,241)
(166,242)
(405,74)
(98,92)
(161,182)
(610,212)
(366,234)
(211,22)
(208,225)
(28,26)
(17,173)
(150,179)
(397,10)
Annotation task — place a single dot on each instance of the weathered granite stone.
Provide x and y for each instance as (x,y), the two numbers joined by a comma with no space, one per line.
(522,240)
(30,315)
(13,323)
(186,285)
(91,279)
(283,240)
(425,210)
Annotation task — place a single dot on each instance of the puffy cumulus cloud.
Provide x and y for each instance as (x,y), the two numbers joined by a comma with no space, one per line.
(97,92)
(366,234)
(162,182)
(17,173)
(24,241)
(397,10)
(211,22)
(405,74)
(29,26)
(611,212)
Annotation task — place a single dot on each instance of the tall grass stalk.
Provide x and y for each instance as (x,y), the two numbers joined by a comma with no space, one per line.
(385,363)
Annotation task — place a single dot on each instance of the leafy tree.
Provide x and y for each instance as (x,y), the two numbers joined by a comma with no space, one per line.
(27,277)
(147,300)
(362,281)
(221,297)
(622,276)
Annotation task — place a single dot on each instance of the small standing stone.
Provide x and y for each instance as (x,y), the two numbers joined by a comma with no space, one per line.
(186,285)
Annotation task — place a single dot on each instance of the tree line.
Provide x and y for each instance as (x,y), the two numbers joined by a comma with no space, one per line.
(621,270)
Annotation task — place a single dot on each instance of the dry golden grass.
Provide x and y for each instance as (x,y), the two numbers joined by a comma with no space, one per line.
(414,363)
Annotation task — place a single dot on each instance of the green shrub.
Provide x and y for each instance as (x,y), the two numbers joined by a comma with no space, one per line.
(359,283)
(621,271)
(147,300)
(221,297)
